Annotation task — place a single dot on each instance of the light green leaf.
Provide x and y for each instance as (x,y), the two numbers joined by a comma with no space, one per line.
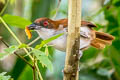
(48,40)
(11,49)
(43,59)
(37,52)
(3,55)
(46,50)
(23,46)
(53,12)
(3,77)
(16,21)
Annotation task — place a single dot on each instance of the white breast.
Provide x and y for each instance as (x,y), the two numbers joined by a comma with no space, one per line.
(60,43)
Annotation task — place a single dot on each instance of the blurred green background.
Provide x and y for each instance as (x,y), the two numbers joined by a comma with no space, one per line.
(94,64)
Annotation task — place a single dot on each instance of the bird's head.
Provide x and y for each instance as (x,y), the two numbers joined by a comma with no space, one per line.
(42,23)
(45,27)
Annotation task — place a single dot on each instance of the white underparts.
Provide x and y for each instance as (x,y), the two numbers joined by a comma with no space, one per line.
(60,43)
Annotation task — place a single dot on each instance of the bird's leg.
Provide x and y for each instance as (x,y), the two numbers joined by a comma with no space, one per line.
(80,54)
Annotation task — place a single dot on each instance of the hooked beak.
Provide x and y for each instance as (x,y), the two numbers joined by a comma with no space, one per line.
(34,27)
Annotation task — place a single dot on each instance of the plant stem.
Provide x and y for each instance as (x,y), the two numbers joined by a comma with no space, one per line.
(20,44)
(34,68)
(33,41)
(15,37)
(40,76)
(18,55)
(57,9)
(3,10)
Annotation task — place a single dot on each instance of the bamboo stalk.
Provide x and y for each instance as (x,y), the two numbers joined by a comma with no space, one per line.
(71,71)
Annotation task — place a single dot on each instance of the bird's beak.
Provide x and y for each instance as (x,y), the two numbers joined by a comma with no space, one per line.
(32,26)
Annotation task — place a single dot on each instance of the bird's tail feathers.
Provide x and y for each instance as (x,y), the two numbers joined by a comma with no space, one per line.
(102,39)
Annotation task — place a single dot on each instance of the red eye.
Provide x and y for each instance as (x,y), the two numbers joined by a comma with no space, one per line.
(45,23)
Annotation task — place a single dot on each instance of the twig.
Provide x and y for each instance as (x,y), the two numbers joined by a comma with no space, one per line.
(57,9)
(18,41)
(34,68)
(18,54)
(3,10)
(21,43)
(40,76)
(29,44)
(15,37)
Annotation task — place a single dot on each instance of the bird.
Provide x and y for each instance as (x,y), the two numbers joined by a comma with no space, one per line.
(47,28)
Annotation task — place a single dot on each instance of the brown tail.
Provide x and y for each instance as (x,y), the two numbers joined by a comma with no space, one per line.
(101,40)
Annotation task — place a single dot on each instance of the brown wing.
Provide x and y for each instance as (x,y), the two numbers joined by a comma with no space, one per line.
(101,40)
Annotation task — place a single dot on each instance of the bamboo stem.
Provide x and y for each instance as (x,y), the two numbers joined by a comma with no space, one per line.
(71,71)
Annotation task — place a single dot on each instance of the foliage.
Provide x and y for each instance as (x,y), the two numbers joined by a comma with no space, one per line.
(3,77)
(16,21)
(94,64)
(39,55)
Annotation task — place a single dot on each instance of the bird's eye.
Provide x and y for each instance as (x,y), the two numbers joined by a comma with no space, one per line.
(45,23)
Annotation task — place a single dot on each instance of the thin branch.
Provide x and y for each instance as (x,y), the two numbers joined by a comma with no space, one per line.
(34,68)
(21,43)
(57,9)
(29,44)
(37,68)
(3,10)
(15,37)
(18,54)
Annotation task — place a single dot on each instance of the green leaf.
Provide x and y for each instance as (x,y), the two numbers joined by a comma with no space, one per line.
(116,3)
(46,50)
(16,21)
(115,58)
(104,72)
(43,59)
(53,12)
(3,55)
(48,40)
(8,51)
(3,77)
(23,46)
(11,49)
(37,52)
